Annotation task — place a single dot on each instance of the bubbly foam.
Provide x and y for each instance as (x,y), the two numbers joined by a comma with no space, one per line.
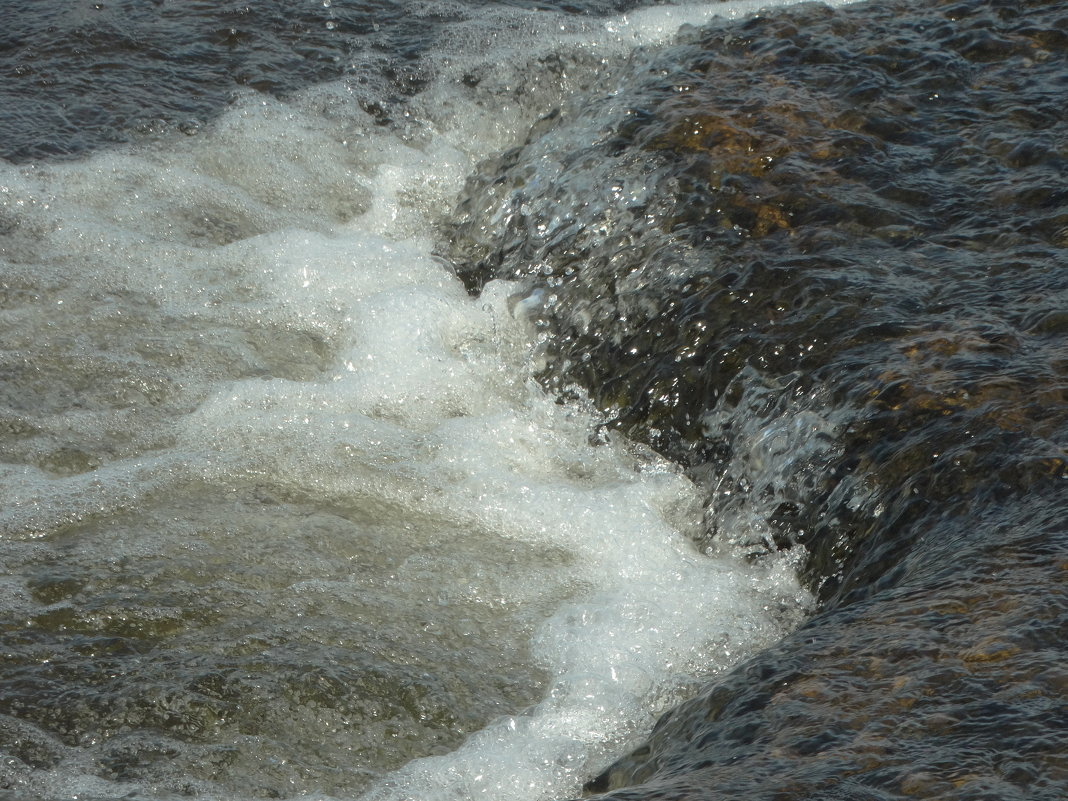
(257,313)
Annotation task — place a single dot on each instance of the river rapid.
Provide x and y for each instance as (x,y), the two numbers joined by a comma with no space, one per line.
(452,400)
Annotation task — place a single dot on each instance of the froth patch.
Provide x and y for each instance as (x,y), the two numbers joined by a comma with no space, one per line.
(266,383)
(624,614)
(659,25)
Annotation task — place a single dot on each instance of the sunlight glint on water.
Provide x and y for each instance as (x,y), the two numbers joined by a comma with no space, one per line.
(254,429)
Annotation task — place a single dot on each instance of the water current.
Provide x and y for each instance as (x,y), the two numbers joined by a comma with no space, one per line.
(418,400)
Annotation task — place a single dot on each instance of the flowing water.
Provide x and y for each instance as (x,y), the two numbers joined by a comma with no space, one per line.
(417,400)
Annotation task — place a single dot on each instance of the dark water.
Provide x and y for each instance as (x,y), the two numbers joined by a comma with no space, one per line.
(819,258)
(79,74)
(856,219)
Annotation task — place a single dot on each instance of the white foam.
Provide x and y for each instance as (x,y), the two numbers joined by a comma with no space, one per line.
(198,267)
(657,25)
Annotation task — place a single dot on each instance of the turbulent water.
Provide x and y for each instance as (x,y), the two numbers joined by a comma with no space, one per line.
(417,400)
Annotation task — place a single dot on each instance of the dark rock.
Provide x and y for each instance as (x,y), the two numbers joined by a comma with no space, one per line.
(820,261)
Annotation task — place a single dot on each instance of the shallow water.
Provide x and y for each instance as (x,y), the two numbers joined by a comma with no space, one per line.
(820,261)
(285,512)
(289,510)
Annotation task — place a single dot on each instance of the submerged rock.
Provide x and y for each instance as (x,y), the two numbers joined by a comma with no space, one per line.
(949,684)
(819,259)
(880,257)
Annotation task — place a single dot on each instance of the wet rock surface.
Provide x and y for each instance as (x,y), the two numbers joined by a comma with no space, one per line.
(819,258)
(948,685)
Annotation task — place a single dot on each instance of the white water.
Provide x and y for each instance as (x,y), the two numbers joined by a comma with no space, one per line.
(255,313)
